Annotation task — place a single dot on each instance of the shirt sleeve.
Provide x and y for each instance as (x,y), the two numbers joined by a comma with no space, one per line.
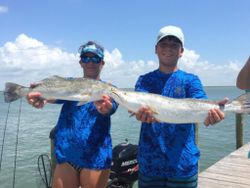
(114,107)
(195,88)
(139,86)
(58,101)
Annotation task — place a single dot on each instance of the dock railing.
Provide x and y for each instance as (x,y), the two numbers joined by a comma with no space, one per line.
(239,129)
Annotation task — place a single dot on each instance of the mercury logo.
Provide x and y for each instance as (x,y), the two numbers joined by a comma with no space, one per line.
(127,163)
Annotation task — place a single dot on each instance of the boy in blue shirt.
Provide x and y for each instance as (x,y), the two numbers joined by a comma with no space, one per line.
(168,156)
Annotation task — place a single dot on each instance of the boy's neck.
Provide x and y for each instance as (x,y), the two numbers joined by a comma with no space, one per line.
(168,69)
(92,77)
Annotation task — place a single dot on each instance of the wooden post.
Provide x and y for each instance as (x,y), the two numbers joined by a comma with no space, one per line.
(239,130)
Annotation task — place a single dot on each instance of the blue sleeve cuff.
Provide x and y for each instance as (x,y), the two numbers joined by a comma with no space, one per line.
(114,107)
(58,101)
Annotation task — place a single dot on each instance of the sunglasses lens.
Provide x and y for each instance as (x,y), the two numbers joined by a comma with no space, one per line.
(94,59)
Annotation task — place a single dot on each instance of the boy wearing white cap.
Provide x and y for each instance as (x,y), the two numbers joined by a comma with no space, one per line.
(168,155)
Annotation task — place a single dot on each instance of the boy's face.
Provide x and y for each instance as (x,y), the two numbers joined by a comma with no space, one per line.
(91,69)
(169,51)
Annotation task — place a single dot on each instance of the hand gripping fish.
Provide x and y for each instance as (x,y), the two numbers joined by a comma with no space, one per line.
(55,87)
(177,111)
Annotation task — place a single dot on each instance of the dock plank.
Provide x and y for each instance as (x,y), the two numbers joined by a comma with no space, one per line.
(233,171)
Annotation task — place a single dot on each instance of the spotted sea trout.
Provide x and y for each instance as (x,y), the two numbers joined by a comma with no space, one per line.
(55,87)
(173,110)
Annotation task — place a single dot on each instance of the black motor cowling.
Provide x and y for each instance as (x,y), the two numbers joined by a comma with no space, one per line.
(124,168)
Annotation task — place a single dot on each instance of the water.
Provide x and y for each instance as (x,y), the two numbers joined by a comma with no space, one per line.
(215,142)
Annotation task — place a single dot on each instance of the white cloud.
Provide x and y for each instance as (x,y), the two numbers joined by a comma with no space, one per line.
(210,74)
(28,60)
(3,9)
(121,73)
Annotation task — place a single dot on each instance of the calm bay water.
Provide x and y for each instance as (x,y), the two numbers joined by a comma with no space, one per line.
(215,142)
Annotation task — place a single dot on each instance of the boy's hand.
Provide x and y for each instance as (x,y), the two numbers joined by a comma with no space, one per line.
(104,106)
(145,114)
(215,115)
(34,99)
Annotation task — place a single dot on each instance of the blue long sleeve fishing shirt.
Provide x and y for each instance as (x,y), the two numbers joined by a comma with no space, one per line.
(82,136)
(169,150)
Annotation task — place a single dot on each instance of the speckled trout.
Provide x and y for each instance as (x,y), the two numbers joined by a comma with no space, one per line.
(177,111)
(55,87)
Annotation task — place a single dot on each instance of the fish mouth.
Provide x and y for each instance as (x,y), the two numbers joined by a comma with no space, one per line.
(113,91)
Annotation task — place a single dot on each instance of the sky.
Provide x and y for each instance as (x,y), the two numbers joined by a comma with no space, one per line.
(41,38)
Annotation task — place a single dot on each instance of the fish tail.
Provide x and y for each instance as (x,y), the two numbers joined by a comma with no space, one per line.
(12,92)
(241,104)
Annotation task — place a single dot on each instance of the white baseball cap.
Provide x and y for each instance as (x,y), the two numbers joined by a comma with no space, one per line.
(170,31)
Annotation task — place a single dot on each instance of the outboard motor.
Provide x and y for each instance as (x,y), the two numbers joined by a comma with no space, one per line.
(124,168)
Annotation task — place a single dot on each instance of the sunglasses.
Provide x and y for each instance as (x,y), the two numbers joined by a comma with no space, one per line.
(95,59)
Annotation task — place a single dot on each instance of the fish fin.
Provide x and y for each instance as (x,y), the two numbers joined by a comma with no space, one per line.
(54,77)
(154,111)
(132,114)
(85,98)
(12,92)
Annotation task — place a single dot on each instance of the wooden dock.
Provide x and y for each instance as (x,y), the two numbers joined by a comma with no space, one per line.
(233,171)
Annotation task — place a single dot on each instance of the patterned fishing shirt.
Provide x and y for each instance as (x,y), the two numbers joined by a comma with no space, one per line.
(82,136)
(169,150)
